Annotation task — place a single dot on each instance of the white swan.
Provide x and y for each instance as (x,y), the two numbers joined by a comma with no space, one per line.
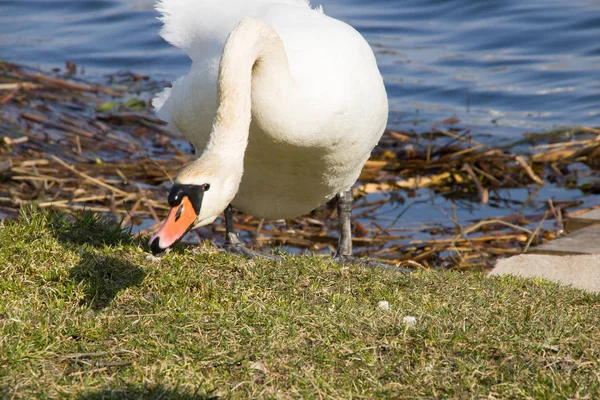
(282,103)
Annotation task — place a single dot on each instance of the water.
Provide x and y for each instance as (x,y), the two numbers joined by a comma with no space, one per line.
(101,36)
(501,66)
(505,66)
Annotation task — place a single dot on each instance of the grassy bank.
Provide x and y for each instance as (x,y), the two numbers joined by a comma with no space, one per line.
(85,313)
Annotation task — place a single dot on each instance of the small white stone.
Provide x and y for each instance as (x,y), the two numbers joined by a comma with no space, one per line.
(383,305)
(409,320)
(428,368)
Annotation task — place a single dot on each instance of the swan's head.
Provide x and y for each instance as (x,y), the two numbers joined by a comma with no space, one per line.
(196,199)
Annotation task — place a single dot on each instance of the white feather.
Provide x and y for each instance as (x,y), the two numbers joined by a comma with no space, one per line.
(314,124)
(194,25)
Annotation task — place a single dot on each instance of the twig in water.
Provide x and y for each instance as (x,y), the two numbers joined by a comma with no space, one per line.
(529,171)
(479,224)
(50,81)
(131,213)
(89,178)
(461,138)
(535,232)
(66,128)
(557,215)
(148,204)
(472,228)
(492,178)
(163,169)
(483,193)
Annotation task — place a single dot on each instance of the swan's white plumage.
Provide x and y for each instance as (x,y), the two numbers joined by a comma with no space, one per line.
(307,142)
(192,24)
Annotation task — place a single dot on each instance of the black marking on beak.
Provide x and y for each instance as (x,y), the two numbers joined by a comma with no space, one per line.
(155,247)
(178,213)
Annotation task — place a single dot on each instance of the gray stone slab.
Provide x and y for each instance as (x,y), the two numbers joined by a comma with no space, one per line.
(580,271)
(584,220)
(582,241)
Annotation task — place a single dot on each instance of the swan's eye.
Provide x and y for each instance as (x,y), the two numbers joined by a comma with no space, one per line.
(205,187)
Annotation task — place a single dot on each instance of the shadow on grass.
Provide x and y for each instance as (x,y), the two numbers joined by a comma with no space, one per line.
(145,393)
(104,277)
(103,274)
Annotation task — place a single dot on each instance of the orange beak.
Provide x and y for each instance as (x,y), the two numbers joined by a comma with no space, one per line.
(180,220)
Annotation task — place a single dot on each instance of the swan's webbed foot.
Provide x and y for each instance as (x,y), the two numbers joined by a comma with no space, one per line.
(233,244)
(345,259)
(236,247)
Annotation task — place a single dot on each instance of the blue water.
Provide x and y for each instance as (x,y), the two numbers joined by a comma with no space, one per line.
(501,66)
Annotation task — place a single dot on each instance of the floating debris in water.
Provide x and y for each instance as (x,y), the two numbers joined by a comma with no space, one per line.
(72,145)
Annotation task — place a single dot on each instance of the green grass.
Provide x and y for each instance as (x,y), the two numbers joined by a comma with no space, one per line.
(84,313)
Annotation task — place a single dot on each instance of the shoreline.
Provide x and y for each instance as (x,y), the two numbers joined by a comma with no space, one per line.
(73,145)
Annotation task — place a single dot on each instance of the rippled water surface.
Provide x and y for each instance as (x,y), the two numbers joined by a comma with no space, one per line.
(501,66)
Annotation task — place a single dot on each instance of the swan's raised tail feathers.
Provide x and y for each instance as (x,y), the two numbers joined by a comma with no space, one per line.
(197,24)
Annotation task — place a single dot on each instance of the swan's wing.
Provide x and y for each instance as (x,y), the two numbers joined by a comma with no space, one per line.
(200,28)
(336,74)
(330,62)
(190,105)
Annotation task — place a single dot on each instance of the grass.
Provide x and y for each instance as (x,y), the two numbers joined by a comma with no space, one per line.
(86,314)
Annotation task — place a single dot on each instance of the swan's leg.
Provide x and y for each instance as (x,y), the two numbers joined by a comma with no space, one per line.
(344,209)
(231,238)
(344,250)
(233,244)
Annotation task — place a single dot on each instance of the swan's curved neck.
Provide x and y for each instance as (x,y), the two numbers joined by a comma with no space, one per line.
(252,48)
